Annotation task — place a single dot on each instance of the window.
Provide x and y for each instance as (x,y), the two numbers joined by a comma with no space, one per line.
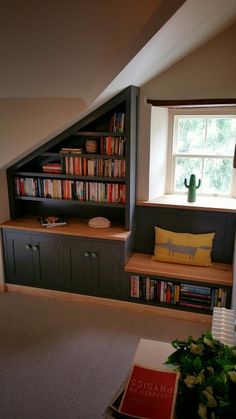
(202,143)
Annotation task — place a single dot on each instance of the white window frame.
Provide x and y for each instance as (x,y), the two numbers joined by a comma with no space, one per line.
(197,112)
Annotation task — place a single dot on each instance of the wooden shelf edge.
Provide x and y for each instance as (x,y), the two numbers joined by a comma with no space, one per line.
(159,311)
(75,227)
(219,274)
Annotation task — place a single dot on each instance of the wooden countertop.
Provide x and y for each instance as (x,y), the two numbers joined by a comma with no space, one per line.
(74,227)
(217,274)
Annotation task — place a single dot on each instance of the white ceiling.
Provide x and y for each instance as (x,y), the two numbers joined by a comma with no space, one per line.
(92,49)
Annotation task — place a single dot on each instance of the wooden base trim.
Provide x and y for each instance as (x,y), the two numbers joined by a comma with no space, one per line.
(141,308)
(3,288)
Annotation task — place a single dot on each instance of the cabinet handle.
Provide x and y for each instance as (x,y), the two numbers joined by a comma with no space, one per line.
(28,246)
(94,254)
(86,254)
(35,247)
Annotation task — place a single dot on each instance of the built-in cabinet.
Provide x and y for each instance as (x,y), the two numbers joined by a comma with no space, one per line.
(67,263)
(89,170)
(33,259)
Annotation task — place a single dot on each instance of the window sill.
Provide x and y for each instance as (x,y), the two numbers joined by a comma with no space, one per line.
(202,203)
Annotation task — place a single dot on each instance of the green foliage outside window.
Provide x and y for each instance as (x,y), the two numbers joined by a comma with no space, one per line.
(205,146)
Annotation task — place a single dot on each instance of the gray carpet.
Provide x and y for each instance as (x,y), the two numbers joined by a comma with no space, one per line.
(65,360)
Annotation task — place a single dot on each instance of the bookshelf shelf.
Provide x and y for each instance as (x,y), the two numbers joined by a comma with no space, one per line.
(64,176)
(99,134)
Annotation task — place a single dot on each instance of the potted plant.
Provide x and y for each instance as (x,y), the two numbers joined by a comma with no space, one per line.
(207,384)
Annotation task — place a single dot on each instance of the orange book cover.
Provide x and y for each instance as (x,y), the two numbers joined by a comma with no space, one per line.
(150,393)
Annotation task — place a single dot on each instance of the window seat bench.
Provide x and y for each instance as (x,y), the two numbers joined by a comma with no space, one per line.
(217,274)
(187,286)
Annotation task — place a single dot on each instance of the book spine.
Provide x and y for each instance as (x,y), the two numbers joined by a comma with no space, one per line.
(194,305)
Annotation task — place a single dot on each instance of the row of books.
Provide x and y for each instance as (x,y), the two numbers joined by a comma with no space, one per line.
(70,189)
(117,122)
(82,166)
(185,295)
(109,145)
(52,168)
(112,146)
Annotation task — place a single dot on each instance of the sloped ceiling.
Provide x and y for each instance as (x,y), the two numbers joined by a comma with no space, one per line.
(78,48)
(73,48)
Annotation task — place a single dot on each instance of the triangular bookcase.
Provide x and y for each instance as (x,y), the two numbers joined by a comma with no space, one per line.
(88,184)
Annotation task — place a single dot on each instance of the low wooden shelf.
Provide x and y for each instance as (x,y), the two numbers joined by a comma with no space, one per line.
(217,274)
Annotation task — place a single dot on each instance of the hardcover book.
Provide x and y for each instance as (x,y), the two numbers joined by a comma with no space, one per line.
(150,393)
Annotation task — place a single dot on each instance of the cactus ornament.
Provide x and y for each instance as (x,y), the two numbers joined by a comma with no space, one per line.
(192,187)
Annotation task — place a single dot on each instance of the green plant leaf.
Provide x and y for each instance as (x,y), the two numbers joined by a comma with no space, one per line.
(196,349)
(210,400)
(197,364)
(232,376)
(207,383)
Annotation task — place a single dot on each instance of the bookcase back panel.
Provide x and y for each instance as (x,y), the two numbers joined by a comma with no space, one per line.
(180,220)
(70,210)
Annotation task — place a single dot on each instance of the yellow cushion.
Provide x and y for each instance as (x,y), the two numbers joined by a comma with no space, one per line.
(184,248)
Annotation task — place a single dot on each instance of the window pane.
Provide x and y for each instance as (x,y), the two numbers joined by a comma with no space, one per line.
(184,168)
(191,135)
(217,176)
(221,135)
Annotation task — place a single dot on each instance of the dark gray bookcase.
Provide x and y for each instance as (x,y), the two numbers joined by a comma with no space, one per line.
(96,125)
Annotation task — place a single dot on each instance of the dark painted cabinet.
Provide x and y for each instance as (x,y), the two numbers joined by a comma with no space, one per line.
(94,267)
(33,259)
(69,263)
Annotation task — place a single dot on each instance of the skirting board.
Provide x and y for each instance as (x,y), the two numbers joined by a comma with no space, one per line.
(3,288)
(142,308)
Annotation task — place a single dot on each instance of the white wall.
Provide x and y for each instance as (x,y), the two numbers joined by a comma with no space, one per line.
(25,124)
(209,72)
(158,152)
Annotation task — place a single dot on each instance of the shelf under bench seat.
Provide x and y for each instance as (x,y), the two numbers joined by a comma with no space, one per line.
(188,288)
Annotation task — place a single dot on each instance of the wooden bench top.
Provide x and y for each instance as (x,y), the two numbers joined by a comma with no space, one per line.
(217,274)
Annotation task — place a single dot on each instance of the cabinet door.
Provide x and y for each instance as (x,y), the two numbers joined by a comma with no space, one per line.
(94,267)
(80,268)
(47,257)
(18,258)
(33,259)
(108,261)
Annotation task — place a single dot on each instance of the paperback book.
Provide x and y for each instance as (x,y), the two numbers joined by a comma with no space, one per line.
(149,393)
(52,221)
